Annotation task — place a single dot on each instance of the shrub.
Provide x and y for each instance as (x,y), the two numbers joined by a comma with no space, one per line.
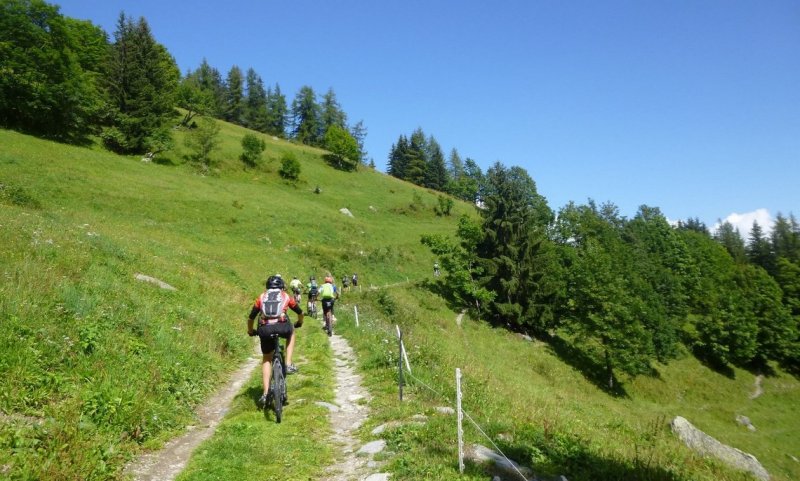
(290,167)
(253,147)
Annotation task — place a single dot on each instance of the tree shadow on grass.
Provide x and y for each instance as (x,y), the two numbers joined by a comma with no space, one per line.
(440,289)
(714,363)
(564,456)
(594,372)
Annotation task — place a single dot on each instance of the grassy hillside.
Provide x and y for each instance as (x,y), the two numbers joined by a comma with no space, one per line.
(95,366)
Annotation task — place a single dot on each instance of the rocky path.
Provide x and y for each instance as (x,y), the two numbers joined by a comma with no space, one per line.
(167,463)
(757,386)
(349,412)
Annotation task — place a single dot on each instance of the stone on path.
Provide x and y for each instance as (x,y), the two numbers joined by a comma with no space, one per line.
(708,446)
(377,477)
(330,407)
(373,447)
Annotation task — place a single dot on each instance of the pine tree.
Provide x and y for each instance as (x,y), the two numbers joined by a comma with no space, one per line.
(234,97)
(277,112)
(398,158)
(359,133)
(307,125)
(731,239)
(758,249)
(332,113)
(255,113)
(416,162)
(435,171)
(142,81)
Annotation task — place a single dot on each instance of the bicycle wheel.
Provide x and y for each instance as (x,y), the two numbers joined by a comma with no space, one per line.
(278,388)
(328,324)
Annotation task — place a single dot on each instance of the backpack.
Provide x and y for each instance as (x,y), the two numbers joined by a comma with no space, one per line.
(327,291)
(272,304)
(313,291)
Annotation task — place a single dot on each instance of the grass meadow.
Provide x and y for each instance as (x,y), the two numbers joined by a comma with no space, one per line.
(96,366)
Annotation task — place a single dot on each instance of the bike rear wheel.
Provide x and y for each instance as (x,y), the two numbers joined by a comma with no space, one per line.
(278,388)
(328,323)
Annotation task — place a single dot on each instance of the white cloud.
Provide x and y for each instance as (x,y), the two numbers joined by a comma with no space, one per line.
(744,222)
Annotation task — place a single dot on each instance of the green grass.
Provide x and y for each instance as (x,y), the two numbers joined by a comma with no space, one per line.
(96,367)
(546,414)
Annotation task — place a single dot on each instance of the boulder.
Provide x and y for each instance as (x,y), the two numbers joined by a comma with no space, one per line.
(346,211)
(153,280)
(745,421)
(707,446)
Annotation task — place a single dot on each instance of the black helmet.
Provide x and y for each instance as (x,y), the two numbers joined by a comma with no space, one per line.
(274,282)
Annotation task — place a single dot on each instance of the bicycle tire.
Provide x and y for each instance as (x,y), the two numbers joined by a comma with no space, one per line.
(328,324)
(278,388)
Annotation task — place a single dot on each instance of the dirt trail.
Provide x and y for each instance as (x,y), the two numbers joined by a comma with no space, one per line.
(460,317)
(167,463)
(758,389)
(347,416)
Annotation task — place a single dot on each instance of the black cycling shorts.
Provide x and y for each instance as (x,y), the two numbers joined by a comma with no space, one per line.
(327,305)
(265,332)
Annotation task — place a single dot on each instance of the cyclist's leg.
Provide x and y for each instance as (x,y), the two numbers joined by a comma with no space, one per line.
(290,346)
(267,350)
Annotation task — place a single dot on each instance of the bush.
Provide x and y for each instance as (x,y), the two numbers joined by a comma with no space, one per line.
(253,147)
(290,167)
(15,195)
(202,141)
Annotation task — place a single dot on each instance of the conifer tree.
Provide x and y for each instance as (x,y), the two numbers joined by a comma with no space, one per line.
(758,249)
(332,113)
(359,133)
(255,114)
(234,96)
(435,171)
(398,158)
(731,239)
(277,112)
(416,162)
(142,81)
(307,125)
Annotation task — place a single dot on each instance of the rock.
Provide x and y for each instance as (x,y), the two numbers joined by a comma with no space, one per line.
(330,407)
(445,410)
(383,427)
(373,209)
(745,421)
(498,465)
(373,447)
(378,477)
(505,437)
(346,211)
(708,446)
(153,280)
(419,417)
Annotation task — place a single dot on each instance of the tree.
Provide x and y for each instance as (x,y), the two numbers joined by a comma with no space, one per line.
(758,250)
(234,97)
(398,158)
(435,171)
(48,81)
(359,132)
(142,82)
(255,112)
(307,125)
(194,99)
(416,161)
(731,239)
(785,238)
(343,148)
(332,113)
(252,146)
(276,112)
(202,141)
(518,259)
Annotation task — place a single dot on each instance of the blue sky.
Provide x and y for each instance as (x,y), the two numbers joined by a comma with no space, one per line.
(691,106)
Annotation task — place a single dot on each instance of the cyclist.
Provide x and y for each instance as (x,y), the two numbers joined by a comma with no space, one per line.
(313,291)
(345,283)
(328,294)
(355,279)
(296,286)
(269,326)
(436,269)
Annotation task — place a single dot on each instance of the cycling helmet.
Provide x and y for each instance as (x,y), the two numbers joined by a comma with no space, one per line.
(274,282)
(329,279)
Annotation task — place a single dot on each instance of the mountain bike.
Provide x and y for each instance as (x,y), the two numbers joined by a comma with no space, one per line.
(328,317)
(276,394)
(312,306)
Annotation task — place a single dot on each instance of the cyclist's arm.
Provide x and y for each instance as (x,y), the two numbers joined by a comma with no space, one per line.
(253,313)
